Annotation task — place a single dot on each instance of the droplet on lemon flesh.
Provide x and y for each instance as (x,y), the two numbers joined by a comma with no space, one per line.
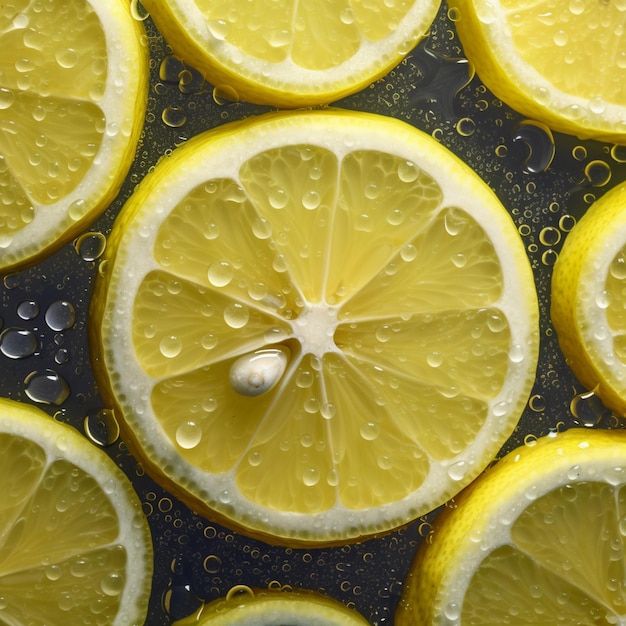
(383,282)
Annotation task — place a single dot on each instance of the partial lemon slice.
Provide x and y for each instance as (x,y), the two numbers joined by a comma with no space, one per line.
(560,62)
(538,539)
(292,54)
(74,542)
(316,325)
(588,296)
(73,86)
(247,607)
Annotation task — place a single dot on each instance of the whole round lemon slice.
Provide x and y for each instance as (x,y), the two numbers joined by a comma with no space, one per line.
(247,607)
(562,62)
(73,87)
(74,542)
(589,298)
(315,325)
(538,539)
(288,53)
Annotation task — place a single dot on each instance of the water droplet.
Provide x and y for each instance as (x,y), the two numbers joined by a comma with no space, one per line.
(311,200)
(236,315)
(369,431)
(587,409)
(212,564)
(466,126)
(278,198)
(550,236)
(170,346)
(90,246)
(7,98)
(188,435)
(598,173)
(60,315)
(102,427)
(28,309)
(220,273)
(113,584)
(47,387)
(174,116)
(311,477)
(540,144)
(262,228)
(17,343)
(255,373)
(66,57)
(457,470)
(617,268)
(408,171)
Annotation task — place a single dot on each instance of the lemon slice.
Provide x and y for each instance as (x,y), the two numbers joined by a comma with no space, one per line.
(560,62)
(588,295)
(538,539)
(247,607)
(73,79)
(316,325)
(292,54)
(74,542)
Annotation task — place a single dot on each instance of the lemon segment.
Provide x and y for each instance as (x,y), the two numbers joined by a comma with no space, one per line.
(391,285)
(74,538)
(292,54)
(562,63)
(588,295)
(243,606)
(537,539)
(72,95)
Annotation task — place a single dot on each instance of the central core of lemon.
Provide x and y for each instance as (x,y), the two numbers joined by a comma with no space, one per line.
(315,329)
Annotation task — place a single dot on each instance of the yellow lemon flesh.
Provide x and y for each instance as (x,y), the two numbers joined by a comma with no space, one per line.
(588,295)
(292,54)
(246,607)
(73,85)
(315,325)
(538,539)
(74,542)
(562,63)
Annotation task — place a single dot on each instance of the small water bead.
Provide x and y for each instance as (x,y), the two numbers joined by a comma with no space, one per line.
(549,257)
(18,343)
(170,346)
(587,409)
(598,173)
(46,387)
(90,246)
(220,273)
(174,116)
(278,198)
(369,431)
(466,127)
(550,236)
(262,228)
(617,269)
(408,171)
(188,435)
(236,315)
(537,403)
(112,584)
(60,315)
(311,477)
(311,200)
(567,223)
(102,427)
(408,253)
(457,470)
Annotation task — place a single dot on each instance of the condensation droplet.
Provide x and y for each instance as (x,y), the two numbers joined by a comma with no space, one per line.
(90,246)
(188,435)
(28,309)
(170,346)
(60,315)
(46,387)
(102,427)
(220,273)
(18,343)
(236,315)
